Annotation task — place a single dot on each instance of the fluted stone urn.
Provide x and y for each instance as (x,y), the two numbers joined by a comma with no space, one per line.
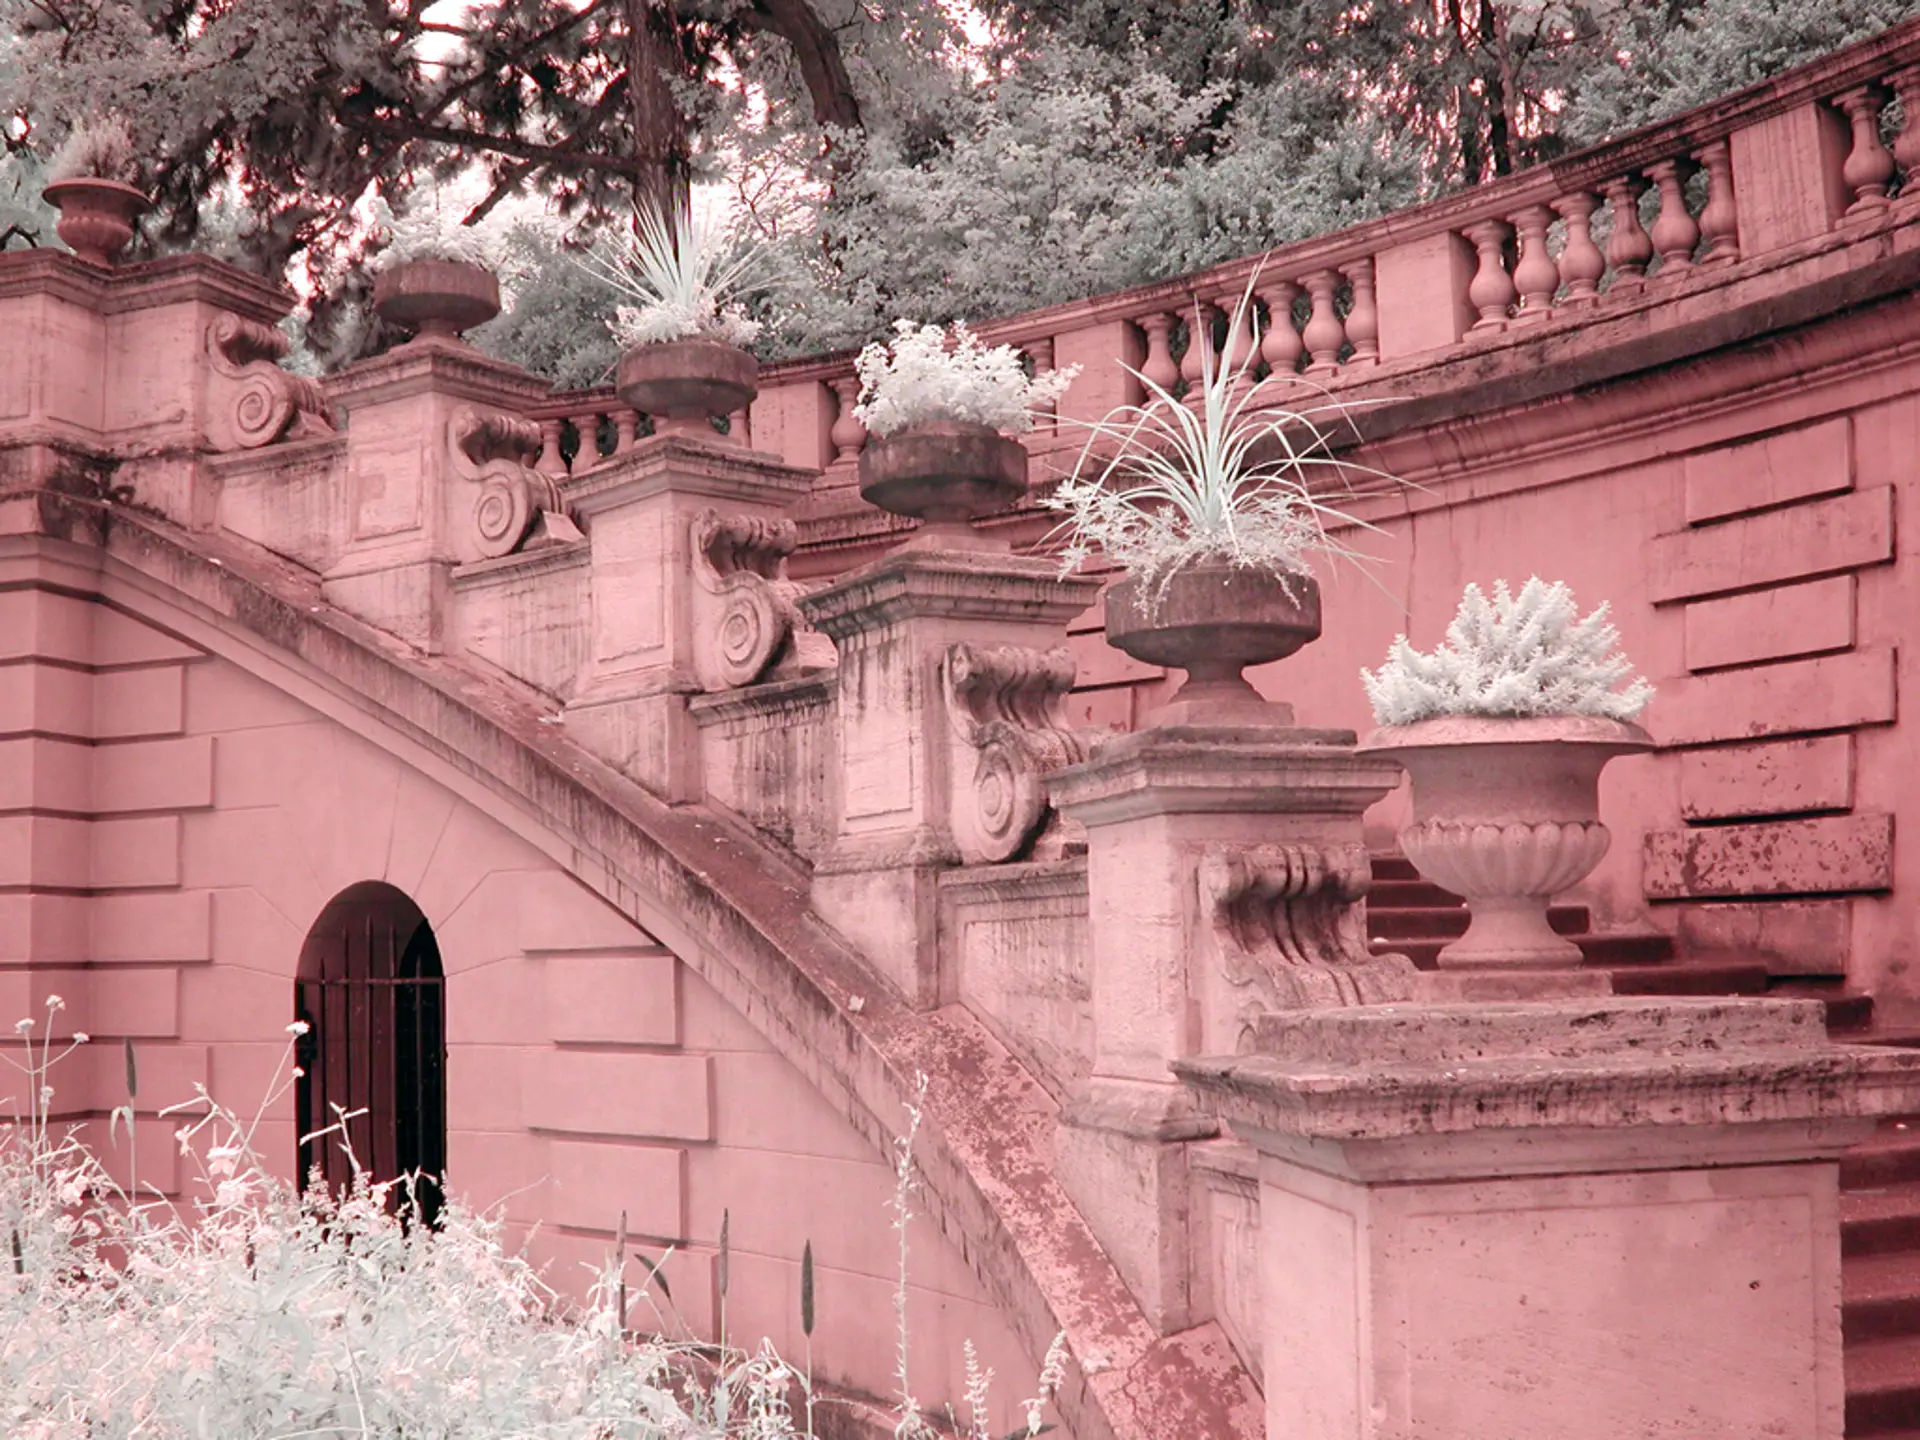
(1212,621)
(432,297)
(96,216)
(684,385)
(1506,812)
(946,474)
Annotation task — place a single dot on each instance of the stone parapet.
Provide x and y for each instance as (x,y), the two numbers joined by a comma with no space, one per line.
(1517,1208)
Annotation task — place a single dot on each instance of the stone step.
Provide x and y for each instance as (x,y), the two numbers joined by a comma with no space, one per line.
(1880,1221)
(1449,922)
(1883,1388)
(1885,1159)
(1690,977)
(1392,867)
(1880,1297)
(1411,895)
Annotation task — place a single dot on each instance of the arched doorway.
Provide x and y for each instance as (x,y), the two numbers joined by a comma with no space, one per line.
(371,990)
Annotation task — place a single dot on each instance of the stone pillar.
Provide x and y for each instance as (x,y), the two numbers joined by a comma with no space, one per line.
(439,472)
(1226,872)
(1584,1220)
(688,536)
(914,736)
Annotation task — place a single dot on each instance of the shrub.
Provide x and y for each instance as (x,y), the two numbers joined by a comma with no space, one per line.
(926,373)
(100,149)
(1525,654)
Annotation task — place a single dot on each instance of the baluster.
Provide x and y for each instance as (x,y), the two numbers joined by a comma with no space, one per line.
(1237,355)
(1041,353)
(1720,217)
(626,426)
(1281,347)
(740,429)
(1199,320)
(848,434)
(1674,231)
(1629,249)
(1535,276)
(1491,291)
(1906,145)
(1324,335)
(550,461)
(1159,367)
(587,426)
(1581,264)
(1869,167)
(1363,319)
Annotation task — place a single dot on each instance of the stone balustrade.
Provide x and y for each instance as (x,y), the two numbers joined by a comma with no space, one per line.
(581,428)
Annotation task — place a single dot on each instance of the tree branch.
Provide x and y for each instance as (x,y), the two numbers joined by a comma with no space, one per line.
(817,51)
(411,130)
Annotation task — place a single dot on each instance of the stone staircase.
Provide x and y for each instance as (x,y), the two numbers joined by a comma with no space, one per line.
(1879,1180)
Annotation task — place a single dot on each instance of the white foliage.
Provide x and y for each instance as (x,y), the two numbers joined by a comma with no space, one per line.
(1227,475)
(1525,654)
(682,274)
(98,149)
(928,373)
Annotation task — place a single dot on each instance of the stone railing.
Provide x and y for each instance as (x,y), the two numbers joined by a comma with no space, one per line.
(1737,181)
(581,428)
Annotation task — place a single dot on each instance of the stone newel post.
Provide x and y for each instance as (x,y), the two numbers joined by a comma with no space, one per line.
(1225,878)
(909,742)
(1578,1219)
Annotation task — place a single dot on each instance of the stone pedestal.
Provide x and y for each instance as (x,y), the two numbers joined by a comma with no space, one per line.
(1584,1220)
(689,537)
(937,649)
(1225,877)
(438,474)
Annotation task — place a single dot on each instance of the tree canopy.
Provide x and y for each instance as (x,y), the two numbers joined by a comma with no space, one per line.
(904,157)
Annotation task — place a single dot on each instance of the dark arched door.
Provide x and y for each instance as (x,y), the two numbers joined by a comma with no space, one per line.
(371,990)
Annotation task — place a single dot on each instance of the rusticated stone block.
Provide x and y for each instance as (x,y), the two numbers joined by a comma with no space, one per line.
(152,927)
(1818,538)
(1797,465)
(649,1096)
(154,775)
(616,999)
(1787,777)
(1798,857)
(594,1184)
(1793,937)
(1836,692)
(1806,619)
(134,703)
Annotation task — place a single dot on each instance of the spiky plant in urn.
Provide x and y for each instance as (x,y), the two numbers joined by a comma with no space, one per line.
(434,275)
(1215,505)
(684,361)
(941,409)
(1504,729)
(95,188)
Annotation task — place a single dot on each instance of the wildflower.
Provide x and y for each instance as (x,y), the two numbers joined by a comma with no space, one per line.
(298,1027)
(54,1002)
(80,1037)
(23,1026)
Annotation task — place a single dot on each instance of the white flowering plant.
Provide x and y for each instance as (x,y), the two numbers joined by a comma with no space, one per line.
(97,149)
(258,1309)
(682,273)
(432,230)
(928,373)
(1229,474)
(1528,654)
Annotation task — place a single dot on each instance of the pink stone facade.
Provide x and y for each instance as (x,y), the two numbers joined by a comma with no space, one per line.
(731,819)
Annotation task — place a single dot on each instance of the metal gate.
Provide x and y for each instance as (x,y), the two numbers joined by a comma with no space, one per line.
(370,989)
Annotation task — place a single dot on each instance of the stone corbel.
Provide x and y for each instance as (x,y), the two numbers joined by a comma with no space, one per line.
(254,402)
(517,506)
(1005,702)
(746,625)
(1288,925)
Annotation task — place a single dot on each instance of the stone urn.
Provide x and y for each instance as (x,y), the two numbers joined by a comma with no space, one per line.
(96,216)
(946,474)
(436,298)
(1506,812)
(683,385)
(1212,621)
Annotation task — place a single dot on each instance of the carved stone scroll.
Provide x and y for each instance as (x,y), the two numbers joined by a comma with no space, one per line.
(745,622)
(254,402)
(516,503)
(1005,702)
(1289,932)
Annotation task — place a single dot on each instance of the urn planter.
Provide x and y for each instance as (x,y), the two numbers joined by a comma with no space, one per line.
(683,385)
(1213,621)
(1506,812)
(436,297)
(96,216)
(946,474)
